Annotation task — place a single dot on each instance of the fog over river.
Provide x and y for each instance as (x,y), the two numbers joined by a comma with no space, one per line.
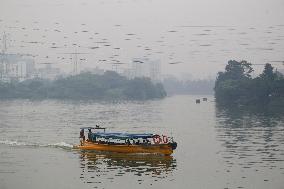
(188,37)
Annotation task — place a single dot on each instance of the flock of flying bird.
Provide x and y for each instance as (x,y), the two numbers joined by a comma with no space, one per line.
(55,45)
(28,41)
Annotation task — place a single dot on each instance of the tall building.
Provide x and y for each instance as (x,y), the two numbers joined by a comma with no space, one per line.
(48,72)
(14,66)
(144,67)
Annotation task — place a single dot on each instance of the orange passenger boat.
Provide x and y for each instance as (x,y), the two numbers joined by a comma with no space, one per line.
(125,143)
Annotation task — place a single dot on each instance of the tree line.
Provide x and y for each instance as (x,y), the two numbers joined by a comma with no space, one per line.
(235,86)
(108,86)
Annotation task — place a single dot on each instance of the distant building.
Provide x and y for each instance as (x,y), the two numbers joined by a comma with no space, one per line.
(144,67)
(186,77)
(95,70)
(48,72)
(128,73)
(15,67)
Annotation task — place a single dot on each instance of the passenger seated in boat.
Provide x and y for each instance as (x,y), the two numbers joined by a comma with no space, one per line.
(146,141)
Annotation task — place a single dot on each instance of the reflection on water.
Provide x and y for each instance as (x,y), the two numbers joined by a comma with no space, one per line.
(102,168)
(218,147)
(253,140)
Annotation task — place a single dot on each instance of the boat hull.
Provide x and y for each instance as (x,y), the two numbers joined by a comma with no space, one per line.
(164,149)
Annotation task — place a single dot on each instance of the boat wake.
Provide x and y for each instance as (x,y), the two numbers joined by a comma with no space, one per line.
(62,145)
(12,143)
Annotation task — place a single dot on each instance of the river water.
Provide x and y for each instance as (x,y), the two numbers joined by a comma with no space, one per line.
(217,148)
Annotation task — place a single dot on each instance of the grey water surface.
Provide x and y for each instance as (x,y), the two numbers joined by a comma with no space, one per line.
(217,148)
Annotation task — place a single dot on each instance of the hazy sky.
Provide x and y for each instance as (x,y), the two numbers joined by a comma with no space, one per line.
(196,37)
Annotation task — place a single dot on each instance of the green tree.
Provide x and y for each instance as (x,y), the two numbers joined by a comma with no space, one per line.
(228,84)
(268,73)
(236,87)
(238,70)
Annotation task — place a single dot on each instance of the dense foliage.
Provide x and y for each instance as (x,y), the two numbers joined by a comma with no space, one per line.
(85,86)
(235,86)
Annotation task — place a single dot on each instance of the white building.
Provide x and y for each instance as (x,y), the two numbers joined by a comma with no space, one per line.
(14,66)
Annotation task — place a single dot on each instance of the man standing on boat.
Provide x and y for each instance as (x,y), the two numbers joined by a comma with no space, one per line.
(90,134)
(82,136)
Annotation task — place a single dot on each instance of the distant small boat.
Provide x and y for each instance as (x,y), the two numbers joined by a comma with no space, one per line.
(125,143)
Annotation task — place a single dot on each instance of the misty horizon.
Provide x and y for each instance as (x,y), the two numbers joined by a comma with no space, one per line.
(187,37)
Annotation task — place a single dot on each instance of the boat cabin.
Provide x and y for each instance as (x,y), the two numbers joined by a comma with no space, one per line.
(120,138)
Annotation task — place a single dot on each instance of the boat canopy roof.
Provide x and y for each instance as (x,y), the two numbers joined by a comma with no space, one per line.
(122,135)
(97,127)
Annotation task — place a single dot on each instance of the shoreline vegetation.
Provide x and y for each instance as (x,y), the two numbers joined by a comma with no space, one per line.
(235,87)
(109,86)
